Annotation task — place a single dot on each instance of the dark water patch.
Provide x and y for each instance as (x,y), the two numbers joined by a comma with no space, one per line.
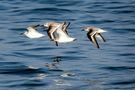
(71,52)
(31,20)
(16,42)
(73,57)
(124,82)
(126,54)
(1,39)
(129,29)
(3,7)
(18,29)
(51,9)
(118,7)
(129,45)
(92,22)
(27,42)
(7,63)
(122,11)
(81,87)
(23,54)
(131,22)
(31,83)
(119,68)
(50,2)
(123,30)
(56,70)
(108,2)
(40,11)
(19,70)
(108,21)
(67,3)
(39,49)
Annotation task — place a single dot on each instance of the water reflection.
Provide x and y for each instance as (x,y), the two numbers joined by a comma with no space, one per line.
(54,64)
(61,82)
(41,76)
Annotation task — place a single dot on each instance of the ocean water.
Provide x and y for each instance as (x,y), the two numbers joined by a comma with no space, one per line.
(37,64)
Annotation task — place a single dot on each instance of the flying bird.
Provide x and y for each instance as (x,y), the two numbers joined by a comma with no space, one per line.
(58,32)
(32,32)
(93,33)
(52,27)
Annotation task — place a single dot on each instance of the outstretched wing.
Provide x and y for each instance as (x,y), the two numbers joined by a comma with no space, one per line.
(92,38)
(89,36)
(94,41)
(49,33)
(65,26)
(56,43)
(101,37)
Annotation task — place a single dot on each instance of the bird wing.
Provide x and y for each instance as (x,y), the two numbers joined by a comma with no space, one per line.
(65,26)
(55,34)
(49,33)
(101,37)
(89,36)
(56,43)
(94,41)
(92,38)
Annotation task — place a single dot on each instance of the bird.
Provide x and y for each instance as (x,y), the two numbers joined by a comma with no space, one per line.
(58,32)
(62,37)
(93,33)
(52,27)
(32,32)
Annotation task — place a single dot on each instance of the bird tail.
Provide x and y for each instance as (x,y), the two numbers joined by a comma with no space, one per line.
(101,31)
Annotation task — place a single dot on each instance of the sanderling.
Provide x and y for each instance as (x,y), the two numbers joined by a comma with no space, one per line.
(53,25)
(58,32)
(32,32)
(94,32)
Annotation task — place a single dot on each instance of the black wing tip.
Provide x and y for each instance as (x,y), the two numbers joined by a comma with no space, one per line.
(98,47)
(104,40)
(56,43)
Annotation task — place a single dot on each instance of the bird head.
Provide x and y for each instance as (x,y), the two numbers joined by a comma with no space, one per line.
(87,29)
(46,25)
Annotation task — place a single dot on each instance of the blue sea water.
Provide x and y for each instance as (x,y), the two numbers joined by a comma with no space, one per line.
(37,64)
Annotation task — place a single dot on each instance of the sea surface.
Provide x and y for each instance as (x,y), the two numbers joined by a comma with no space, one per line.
(37,64)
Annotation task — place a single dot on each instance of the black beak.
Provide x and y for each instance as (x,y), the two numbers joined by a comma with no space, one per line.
(37,25)
(21,33)
(82,30)
(45,28)
(75,39)
(41,25)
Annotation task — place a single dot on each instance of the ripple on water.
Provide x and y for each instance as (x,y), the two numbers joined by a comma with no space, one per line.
(63,68)
(17,68)
(119,68)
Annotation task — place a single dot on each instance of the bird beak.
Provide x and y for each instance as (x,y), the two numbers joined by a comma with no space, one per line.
(45,28)
(82,30)
(42,25)
(37,25)
(21,33)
